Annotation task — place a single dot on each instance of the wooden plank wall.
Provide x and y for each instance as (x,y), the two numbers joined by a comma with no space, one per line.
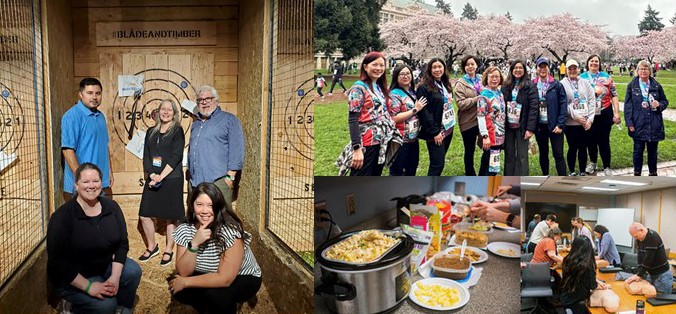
(214,65)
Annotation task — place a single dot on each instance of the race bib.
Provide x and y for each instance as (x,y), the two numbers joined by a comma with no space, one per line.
(448,116)
(494,164)
(542,116)
(579,106)
(513,114)
(411,128)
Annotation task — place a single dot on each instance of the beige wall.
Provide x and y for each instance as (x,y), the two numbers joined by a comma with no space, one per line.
(656,210)
(591,200)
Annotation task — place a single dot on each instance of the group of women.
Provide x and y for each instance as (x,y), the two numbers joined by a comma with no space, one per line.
(87,240)
(499,115)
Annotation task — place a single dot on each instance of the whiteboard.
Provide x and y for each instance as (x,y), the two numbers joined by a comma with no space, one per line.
(588,213)
(617,220)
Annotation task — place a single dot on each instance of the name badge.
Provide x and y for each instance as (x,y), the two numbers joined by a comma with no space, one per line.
(513,114)
(543,112)
(157,161)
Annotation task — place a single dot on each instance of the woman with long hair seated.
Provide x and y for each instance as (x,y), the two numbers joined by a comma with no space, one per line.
(579,276)
(216,267)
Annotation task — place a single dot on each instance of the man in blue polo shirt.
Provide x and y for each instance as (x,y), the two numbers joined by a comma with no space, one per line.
(84,137)
(216,150)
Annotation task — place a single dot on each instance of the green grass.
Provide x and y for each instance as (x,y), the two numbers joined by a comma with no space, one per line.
(331,135)
(666,78)
(308,257)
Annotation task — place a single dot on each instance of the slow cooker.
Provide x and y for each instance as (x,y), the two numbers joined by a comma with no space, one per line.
(376,287)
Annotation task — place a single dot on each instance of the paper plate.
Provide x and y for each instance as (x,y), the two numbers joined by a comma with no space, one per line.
(453,242)
(503,226)
(494,247)
(464,293)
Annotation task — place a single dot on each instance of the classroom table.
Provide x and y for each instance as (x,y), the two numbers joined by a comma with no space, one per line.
(627,301)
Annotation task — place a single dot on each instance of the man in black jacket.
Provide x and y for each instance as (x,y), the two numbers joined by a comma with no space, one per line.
(652,259)
(337,77)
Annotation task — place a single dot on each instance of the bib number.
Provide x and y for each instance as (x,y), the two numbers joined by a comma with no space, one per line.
(513,114)
(448,117)
(494,164)
(411,128)
(543,112)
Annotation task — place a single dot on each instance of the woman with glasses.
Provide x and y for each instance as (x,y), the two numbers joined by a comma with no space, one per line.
(643,106)
(404,108)
(491,118)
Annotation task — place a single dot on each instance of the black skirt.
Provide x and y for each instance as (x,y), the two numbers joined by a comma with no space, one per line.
(165,202)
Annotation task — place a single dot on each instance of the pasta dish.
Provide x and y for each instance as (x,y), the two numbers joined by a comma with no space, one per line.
(364,247)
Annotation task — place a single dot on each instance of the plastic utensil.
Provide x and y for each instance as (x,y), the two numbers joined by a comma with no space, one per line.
(462,249)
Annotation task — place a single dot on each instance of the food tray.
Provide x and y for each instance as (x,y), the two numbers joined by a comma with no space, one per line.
(389,233)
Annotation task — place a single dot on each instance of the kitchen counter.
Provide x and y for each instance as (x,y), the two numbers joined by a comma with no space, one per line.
(497,290)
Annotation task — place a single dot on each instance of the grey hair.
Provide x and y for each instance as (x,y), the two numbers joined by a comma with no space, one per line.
(644,63)
(208,88)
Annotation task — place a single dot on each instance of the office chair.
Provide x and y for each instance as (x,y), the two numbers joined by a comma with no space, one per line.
(536,282)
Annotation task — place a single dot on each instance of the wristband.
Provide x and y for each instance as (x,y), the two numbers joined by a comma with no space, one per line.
(189,247)
(89,285)
(510,219)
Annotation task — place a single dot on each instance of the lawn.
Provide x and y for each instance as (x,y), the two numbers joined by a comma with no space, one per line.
(331,135)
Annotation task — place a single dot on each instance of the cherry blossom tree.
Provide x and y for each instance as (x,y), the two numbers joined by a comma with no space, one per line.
(654,46)
(561,36)
(493,36)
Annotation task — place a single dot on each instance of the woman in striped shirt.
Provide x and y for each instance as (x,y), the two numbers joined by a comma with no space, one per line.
(216,267)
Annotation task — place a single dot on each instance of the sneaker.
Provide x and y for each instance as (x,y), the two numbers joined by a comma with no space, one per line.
(573,174)
(330,94)
(637,173)
(652,174)
(591,168)
(322,97)
(607,172)
(152,254)
(582,174)
(164,262)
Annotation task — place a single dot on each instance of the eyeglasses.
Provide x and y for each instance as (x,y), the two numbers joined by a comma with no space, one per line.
(405,74)
(206,99)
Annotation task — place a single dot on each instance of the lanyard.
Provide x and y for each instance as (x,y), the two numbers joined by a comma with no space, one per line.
(378,95)
(442,90)
(476,82)
(542,87)
(645,88)
(574,87)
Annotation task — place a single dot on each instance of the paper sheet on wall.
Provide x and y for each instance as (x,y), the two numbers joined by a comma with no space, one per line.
(190,106)
(185,157)
(135,146)
(127,85)
(6,160)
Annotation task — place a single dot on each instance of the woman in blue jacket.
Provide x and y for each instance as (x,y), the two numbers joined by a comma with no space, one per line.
(643,106)
(553,111)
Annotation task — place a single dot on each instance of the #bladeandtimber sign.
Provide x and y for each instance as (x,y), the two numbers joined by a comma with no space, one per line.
(173,33)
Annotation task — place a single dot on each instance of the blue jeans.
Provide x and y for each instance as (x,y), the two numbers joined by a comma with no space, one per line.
(662,282)
(407,160)
(129,281)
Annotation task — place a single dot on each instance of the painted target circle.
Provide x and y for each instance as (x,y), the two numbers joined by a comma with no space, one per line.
(137,113)
(12,121)
(299,115)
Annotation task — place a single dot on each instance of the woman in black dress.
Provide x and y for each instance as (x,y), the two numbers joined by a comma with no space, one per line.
(162,164)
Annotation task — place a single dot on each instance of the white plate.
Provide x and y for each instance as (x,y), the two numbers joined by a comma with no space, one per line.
(495,246)
(464,293)
(505,227)
(454,243)
(483,256)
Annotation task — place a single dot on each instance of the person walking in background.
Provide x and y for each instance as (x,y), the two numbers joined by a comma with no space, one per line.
(84,137)
(553,112)
(337,77)
(373,134)
(643,106)
(404,109)
(466,92)
(607,113)
(320,82)
(437,119)
(522,113)
(163,194)
(491,115)
(581,112)
(562,71)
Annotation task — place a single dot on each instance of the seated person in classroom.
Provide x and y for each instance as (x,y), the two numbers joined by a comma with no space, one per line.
(579,276)
(545,250)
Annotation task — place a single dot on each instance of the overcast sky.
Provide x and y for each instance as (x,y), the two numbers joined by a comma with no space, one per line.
(621,17)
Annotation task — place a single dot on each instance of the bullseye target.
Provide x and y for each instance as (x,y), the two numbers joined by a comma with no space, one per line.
(12,121)
(137,112)
(299,115)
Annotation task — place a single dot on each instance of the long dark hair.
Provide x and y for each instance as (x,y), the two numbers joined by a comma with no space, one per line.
(579,261)
(428,79)
(395,78)
(223,213)
(382,80)
(509,81)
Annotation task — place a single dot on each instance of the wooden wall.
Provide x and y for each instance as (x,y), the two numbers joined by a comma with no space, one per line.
(216,65)
(656,210)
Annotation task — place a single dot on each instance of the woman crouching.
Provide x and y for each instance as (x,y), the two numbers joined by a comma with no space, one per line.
(215,265)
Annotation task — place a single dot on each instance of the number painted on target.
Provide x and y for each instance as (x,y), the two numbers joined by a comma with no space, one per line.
(302,119)
(10,121)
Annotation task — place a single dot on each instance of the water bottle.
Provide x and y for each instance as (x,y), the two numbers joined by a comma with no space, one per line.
(619,126)
(640,307)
